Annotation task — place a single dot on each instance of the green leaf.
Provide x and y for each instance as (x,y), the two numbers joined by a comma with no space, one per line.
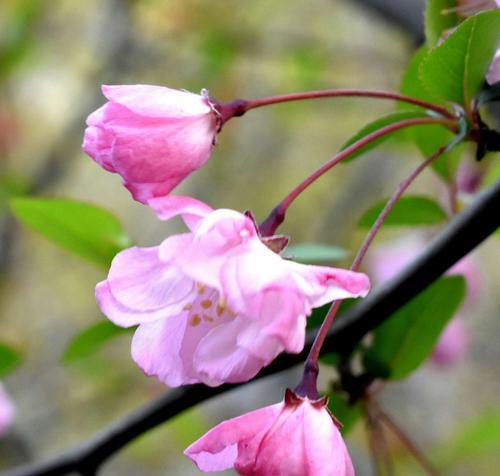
(437,20)
(318,314)
(428,138)
(407,338)
(9,359)
(410,210)
(81,228)
(472,440)
(91,339)
(456,69)
(379,124)
(347,414)
(315,253)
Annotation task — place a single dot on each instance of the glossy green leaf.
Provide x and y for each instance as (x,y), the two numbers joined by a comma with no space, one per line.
(427,138)
(408,337)
(315,253)
(456,69)
(345,413)
(410,210)
(438,20)
(9,359)
(91,339)
(379,124)
(81,228)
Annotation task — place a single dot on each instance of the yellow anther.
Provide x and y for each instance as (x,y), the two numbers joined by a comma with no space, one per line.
(187,307)
(208,318)
(219,310)
(200,288)
(195,320)
(206,303)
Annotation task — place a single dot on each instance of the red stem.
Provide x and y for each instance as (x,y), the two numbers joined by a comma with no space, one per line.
(311,369)
(277,215)
(330,93)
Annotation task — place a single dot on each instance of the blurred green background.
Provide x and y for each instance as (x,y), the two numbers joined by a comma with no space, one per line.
(53,58)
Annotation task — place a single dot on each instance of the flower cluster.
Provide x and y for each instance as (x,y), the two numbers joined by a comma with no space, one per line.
(218,303)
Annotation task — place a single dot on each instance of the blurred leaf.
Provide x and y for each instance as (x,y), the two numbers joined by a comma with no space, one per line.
(407,338)
(411,210)
(331,359)
(17,33)
(91,339)
(427,138)
(437,20)
(456,69)
(9,359)
(11,187)
(379,124)
(315,253)
(347,414)
(472,440)
(82,228)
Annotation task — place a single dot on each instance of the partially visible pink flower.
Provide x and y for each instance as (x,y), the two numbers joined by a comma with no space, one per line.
(469,176)
(470,7)
(493,75)
(386,261)
(154,137)
(297,437)
(215,305)
(453,344)
(6,411)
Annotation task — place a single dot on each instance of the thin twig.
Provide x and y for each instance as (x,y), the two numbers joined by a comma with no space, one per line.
(409,445)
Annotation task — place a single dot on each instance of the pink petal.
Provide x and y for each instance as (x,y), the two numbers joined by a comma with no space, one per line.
(156,348)
(322,284)
(141,288)
(219,359)
(217,450)
(453,344)
(157,101)
(7,411)
(190,209)
(493,75)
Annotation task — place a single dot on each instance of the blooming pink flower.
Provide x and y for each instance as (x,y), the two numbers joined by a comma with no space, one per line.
(154,137)
(215,305)
(6,411)
(297,437)
(453,344)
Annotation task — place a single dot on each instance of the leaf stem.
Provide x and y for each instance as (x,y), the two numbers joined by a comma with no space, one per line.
(277,215)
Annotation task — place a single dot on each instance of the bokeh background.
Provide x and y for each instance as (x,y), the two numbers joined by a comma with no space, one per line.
(53,58)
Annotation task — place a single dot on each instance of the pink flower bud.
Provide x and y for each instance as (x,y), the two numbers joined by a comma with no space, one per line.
(6,411)
(154,137)
(453,344)
(294,438)
(216,304)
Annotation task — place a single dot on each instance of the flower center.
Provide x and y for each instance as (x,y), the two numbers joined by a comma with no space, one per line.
(208,306)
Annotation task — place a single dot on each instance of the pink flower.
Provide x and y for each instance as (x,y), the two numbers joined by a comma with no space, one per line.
(470,7)
(6,411)
(215,305)
(493,75)
(154,137)
(297,437)
(453,344)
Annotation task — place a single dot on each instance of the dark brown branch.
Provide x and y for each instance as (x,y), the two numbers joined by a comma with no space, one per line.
(462,235)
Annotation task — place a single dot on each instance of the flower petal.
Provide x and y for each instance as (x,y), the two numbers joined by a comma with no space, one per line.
(239,437)
(156,349)
(157,101)
(190,209)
